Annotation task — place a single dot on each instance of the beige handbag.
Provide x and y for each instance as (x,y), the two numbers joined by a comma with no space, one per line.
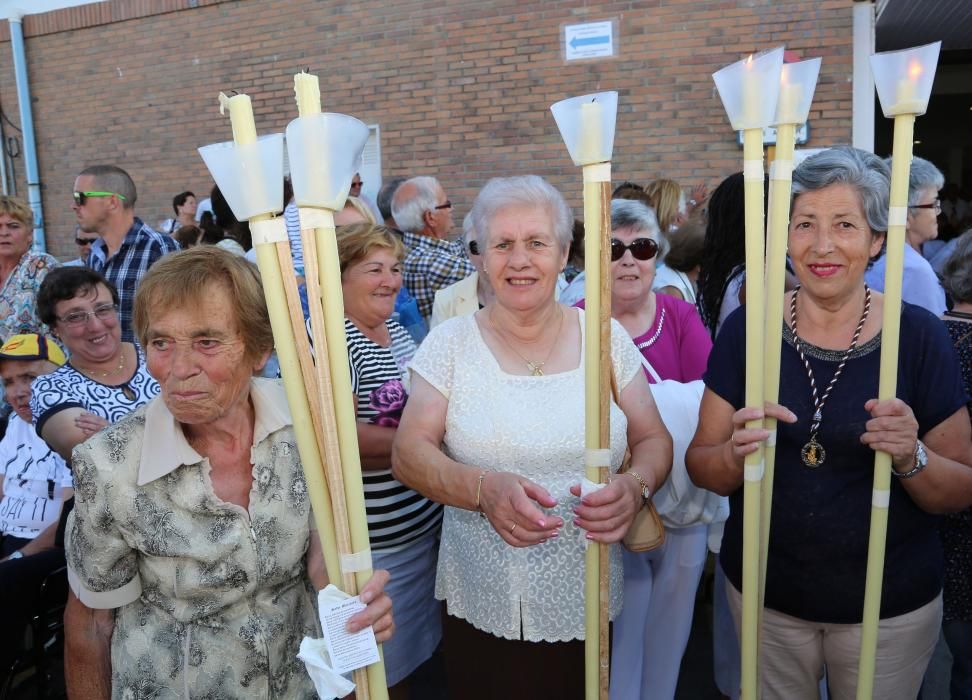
(646,532)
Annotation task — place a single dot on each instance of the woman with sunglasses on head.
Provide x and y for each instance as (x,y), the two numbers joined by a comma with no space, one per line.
(494,429)
(104,379)
(21,269)
(653,627)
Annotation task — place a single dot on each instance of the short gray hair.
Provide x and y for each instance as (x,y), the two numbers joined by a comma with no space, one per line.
(957,273)
(844,165)
(630,213)
(385,194)
(923,176)
(521,191)
(409,212)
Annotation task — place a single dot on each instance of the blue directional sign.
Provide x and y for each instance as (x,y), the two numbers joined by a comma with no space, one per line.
(589,40)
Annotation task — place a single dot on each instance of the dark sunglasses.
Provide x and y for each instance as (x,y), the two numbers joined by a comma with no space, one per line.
(447,205)
(85,241)
(81,197)
(641,249)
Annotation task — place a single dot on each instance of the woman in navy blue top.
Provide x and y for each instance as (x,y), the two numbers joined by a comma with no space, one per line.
(830,424)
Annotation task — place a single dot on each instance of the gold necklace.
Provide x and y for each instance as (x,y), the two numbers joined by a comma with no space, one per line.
(535,366)
(119,368)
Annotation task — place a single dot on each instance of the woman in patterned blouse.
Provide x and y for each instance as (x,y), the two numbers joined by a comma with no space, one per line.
(21,269)
(191,557)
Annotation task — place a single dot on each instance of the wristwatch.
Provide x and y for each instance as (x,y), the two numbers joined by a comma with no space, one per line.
(921,461)
(645,491)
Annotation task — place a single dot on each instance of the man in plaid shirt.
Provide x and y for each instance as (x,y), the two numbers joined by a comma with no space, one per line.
(424,214)
(104,200)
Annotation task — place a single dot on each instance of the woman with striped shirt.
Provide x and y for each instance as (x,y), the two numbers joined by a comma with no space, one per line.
(403,525)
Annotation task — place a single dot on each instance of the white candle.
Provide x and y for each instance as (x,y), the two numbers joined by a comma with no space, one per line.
(591,149)
(751,97)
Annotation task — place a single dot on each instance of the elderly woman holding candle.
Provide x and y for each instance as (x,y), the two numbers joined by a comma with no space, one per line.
(494,429)
(192,562)
(828,431)
(403,525)
(653,627)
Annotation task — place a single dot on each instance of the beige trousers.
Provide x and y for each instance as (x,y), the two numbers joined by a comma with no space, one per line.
(795,653)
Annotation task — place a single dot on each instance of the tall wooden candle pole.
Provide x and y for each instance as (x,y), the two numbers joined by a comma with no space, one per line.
(903,80)
(796,92)
(597,368)
(749,91)
(332,302)
(264,238)
(587,126)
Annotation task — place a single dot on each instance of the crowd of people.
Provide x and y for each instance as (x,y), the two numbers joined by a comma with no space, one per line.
(149,449)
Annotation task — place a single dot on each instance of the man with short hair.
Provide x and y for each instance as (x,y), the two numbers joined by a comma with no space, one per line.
(34,481)
(104,200)
(424,213)
(385,194)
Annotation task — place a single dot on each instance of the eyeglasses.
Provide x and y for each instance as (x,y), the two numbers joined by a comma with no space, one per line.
(81,197)
(641,249)
(936,205)
(447,205)
(85,241)
(103,312)
(358,183)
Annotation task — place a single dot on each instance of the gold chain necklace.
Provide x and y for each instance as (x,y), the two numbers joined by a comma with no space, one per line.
(94,373)
(535,366)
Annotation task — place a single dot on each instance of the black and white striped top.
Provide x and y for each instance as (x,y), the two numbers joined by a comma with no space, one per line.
(397,515)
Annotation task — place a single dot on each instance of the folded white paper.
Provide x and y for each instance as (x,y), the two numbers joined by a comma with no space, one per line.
(348,651)
(318,655)
(587,487)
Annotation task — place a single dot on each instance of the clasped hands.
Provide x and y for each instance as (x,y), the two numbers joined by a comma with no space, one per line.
(513,504)
(892,429)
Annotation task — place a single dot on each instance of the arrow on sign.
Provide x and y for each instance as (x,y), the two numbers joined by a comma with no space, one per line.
(589,41)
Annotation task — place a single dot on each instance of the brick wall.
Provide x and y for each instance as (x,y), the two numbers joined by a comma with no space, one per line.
(461,88)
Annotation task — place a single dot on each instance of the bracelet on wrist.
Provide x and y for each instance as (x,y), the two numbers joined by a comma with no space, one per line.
(479,492)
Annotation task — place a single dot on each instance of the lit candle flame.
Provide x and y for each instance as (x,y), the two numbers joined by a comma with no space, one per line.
(914,70)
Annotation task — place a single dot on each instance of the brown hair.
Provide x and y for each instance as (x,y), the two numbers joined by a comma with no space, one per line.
(687,246)
(18,209)
(356,241)
(187,236)
(181,280)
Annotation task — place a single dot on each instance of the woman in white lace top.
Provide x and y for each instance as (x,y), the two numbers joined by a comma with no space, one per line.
(494,429)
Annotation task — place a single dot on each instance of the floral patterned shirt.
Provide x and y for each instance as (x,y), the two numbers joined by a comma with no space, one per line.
(18,295)
(211,600)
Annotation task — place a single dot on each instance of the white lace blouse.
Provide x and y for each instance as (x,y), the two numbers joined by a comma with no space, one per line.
(534,427)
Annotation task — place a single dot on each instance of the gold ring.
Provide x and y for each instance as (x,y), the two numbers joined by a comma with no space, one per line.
(512,528)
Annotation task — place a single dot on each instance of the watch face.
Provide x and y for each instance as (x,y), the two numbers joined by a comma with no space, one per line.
(921,457)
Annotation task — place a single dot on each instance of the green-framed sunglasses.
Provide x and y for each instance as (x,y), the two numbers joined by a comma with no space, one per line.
(81,197)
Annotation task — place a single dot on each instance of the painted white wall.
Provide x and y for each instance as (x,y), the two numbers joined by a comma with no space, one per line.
(863,83)
(9,8)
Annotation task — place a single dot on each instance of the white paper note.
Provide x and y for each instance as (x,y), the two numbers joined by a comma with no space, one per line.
(347,651)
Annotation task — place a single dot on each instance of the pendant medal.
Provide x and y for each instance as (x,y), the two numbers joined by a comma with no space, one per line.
(813,454)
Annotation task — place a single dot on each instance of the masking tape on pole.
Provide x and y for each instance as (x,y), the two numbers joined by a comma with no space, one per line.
(358,561)
(898,216)
(753,170)
(754,472)
(268,231)
(781,169)
(311,217)
(771,440)
(597,458)
(880,499)
(599,172)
